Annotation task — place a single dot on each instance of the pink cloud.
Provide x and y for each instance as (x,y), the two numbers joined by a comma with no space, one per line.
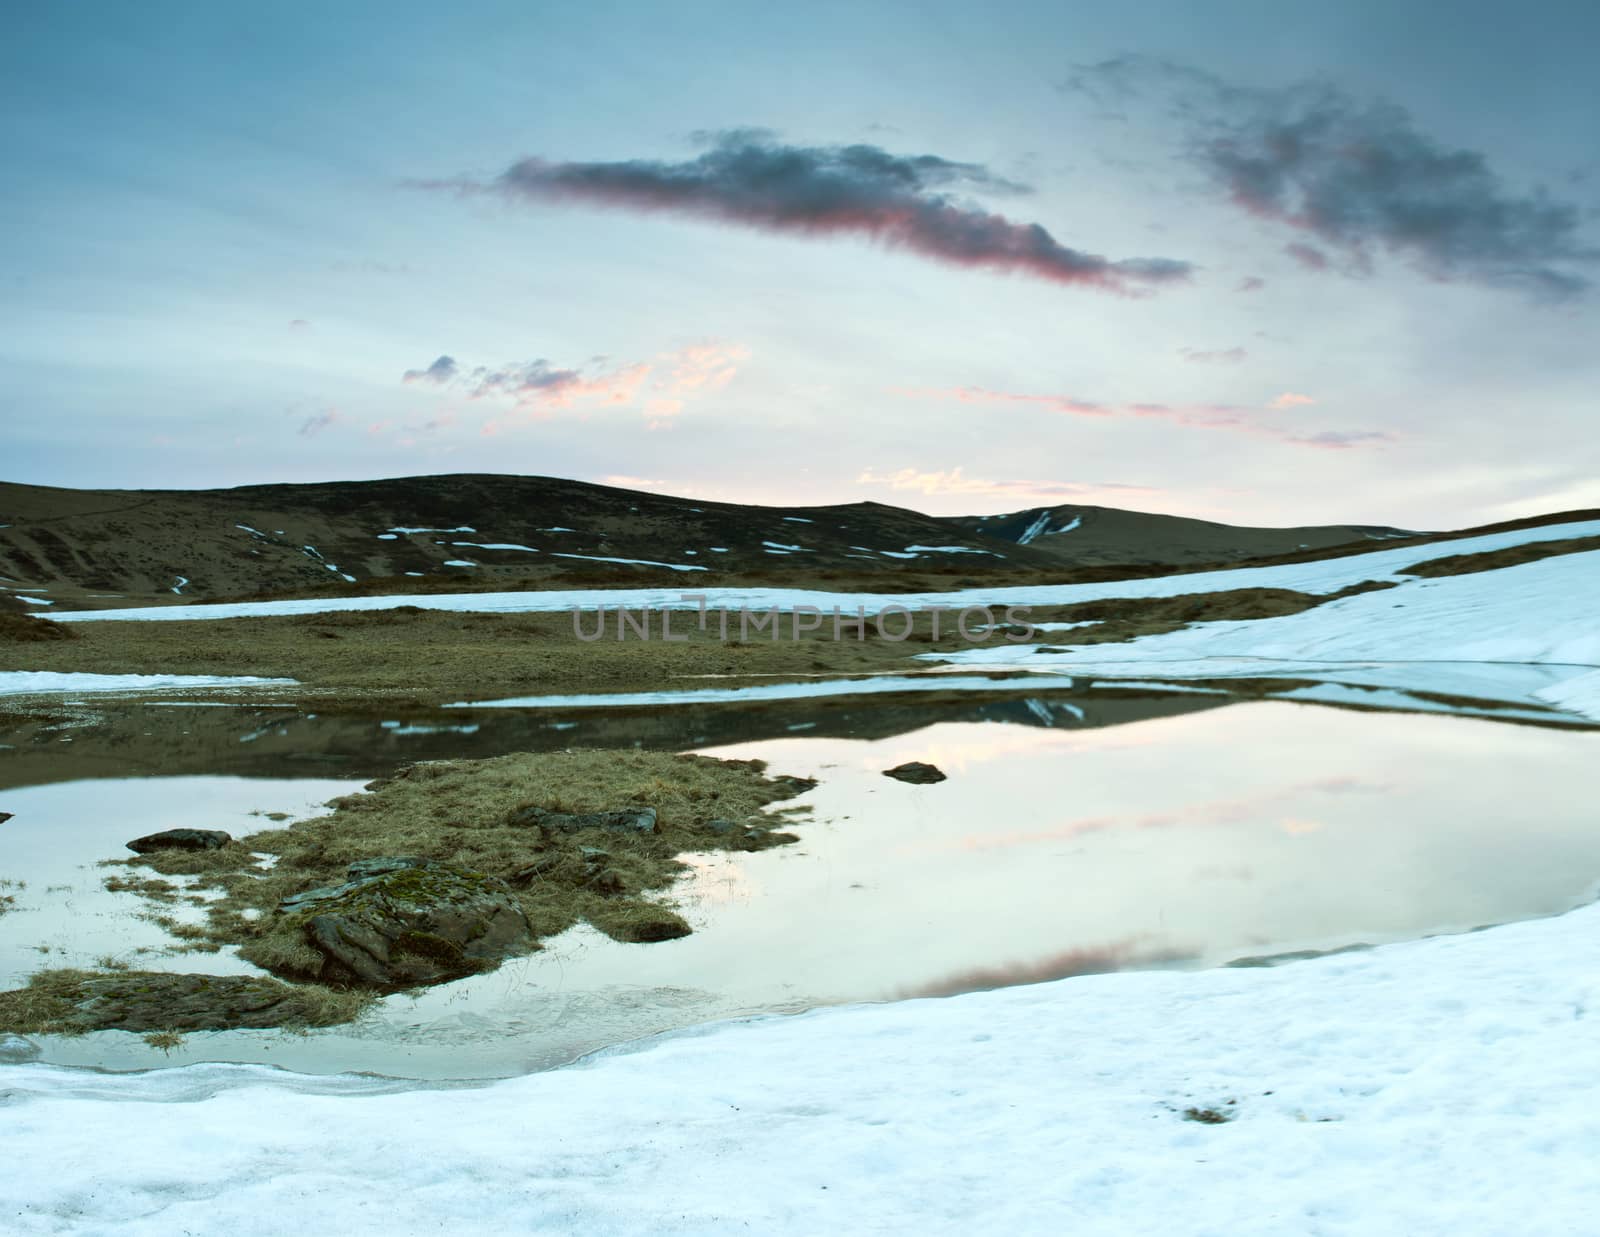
(1230,417)
(954,481)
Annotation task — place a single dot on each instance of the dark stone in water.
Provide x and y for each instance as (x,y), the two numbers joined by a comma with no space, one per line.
(4,816)
(181,839)
(915,772)
(622,820)
(417,925)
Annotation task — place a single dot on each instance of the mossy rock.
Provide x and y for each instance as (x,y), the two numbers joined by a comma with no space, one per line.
(416,926)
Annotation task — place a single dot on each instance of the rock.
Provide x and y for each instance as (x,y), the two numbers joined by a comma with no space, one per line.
(622,820)
(181,839)
(363,868)
(15,1050)
(4,816)
(593,854)
(720,826)
(417,925)
(915,772)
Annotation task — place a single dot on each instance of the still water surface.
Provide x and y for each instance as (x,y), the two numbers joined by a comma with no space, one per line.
(1194,838)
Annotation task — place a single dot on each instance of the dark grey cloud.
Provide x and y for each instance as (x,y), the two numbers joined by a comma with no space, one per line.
(1357,177)
(439,373)
(748,178)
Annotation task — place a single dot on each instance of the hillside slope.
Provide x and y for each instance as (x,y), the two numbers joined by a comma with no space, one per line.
(94,548)
(1095,535)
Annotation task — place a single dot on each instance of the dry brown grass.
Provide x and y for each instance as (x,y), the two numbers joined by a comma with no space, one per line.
(461,812)
(29,629)
(1123,618)
(71,1002)
(1491,560)
(433,657)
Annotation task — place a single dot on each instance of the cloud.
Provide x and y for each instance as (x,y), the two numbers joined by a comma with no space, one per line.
(439,373)
(1225,356)
(660,386)
(1308,256)
(749,179)
(314,425)
(299,324)
(1251,283)
(953,481)
(1357,176)
(1235,418)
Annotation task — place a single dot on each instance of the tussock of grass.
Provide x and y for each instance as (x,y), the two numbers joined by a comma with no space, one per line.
(461,812)
(72,1002)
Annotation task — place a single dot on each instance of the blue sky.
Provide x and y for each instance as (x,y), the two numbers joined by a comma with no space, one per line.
(794,254)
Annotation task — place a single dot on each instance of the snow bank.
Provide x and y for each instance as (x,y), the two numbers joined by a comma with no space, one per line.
(1525,633)
(1434,1087)
(31,682)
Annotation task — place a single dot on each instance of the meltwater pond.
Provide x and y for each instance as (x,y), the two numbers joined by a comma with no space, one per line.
(1181,840)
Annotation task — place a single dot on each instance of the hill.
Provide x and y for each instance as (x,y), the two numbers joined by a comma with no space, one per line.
(99,548)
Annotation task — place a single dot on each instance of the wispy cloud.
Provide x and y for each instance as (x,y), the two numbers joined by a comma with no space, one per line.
(442,371)
(1237,418)
(1221,356)
(315,424)
(1358,176)
(660,387)
(955,481)
(747,178)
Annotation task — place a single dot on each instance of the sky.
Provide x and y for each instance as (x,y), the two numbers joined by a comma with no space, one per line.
(1262,262)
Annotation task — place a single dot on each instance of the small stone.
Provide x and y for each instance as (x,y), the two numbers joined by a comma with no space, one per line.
(181,839)
(593,854)
(720,826)
(4,816)
(915,772)
(15,1050)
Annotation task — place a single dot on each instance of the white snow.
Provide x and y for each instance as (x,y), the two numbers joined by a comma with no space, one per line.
(459,562)
(1071,524)
(719,549)
(462,528)
(795,519)
(388,537)
(42,601)
(637,562)
(495,545)
(763,691)
(254,532)
(950,549)
(31,682)
(1425,1088)
(778,545)
(179,586)
(1521,634)
(1040,523)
